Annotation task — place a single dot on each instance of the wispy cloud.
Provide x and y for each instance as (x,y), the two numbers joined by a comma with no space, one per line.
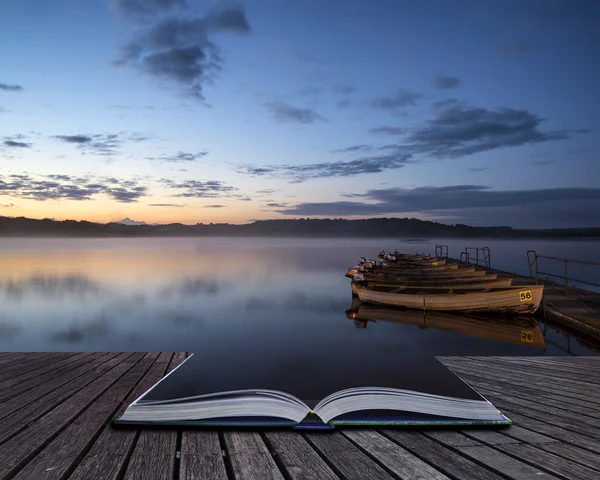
(57,187)
(285,112)
(542,163)
(303,172)
(396,101)
(354,148)
(199,189)
(101,143)
(15,144)
(445,82)
(344,89)
(177,205)
(10,88)
(182,157)
(478,169)
(387,130)
(178,49)
(214,206)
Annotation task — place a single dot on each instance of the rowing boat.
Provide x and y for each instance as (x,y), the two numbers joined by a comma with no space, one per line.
(475,283)
(518,299)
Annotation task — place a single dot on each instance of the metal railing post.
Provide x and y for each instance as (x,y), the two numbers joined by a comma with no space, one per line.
(537,275)
(566,279)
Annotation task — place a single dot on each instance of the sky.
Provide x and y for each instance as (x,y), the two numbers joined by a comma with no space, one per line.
(472,111)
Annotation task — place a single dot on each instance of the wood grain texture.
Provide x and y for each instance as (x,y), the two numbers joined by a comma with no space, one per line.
(249,456)
(445,459)
(345,457)
(550,462)
(397,459)
(27,443)
(201,456)
(299,459)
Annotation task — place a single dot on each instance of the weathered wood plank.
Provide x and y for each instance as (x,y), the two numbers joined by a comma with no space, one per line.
(299,459)
(249,456)
(444,458)
(502,463)
(154,456)
(490,437)
(16,358)
(490,376)
(15,403)
(543,394)
(347,460)
(58,458)
(570,373)
(201,456)
(550,462)
(27,381)
(21,369)
(574,453)
(527,436)
(555,431)
(21,418)
(114,445)
(160,444)
(17,451)
(531,376)
(27,363)
(397,459)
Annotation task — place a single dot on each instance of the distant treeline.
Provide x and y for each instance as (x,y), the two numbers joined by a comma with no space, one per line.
(372,227)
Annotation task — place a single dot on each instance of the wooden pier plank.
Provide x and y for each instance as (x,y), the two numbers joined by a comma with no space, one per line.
(201,456)
(298,458)
(395,458)
(60,455)
(66,432)
(21,448)
(21,418)
(249,456)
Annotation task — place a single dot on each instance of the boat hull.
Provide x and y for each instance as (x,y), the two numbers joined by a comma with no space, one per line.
(473,284)
(506,300)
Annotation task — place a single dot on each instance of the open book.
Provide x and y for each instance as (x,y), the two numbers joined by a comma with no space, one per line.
(423,392)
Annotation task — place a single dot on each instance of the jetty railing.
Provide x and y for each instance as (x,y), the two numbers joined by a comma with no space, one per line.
(533,261)
(441,251)
(481,256)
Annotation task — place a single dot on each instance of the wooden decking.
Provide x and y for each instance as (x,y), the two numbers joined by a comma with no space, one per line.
(56,409)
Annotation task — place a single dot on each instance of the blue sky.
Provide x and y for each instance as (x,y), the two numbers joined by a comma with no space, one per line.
(473,112)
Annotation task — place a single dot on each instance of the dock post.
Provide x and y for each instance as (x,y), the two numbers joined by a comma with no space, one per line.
(566,279)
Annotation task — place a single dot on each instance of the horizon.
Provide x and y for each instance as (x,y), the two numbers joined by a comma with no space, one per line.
(182,111)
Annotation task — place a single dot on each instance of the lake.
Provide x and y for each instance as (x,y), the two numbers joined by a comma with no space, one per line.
(279,297)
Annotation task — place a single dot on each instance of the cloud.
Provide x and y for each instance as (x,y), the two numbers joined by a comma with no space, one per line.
(478,169)
(178,205)
(387,130)
(276,204)
(303,172)
(399,100)
(214,206)
(520,46)
(180,50)
(284,112)
(267,191)
(461,130)
(15,144)
(444,82)
(146,7)
(182,157)
(199,189)
(58,187)
(101,143)
(466,202)
(354,148)
(10,88)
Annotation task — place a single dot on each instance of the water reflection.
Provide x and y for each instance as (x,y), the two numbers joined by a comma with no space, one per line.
(524,331)
(277,296)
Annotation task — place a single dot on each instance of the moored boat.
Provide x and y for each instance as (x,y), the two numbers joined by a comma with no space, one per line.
(471,284)
(523,299)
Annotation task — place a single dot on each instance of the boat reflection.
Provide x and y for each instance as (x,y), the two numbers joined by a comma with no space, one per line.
(518,330)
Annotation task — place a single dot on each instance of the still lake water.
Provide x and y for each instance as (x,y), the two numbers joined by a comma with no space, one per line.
(234,296)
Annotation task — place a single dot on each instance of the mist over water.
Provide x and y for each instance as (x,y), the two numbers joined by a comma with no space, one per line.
(283,298)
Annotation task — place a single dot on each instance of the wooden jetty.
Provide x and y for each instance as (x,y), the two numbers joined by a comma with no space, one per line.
(56,411)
